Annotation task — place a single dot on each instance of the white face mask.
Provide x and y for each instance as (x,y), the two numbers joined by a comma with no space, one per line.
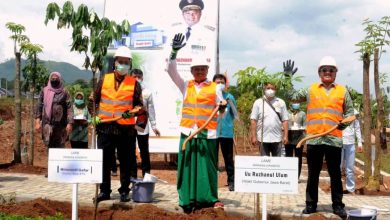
(221,86)
(270,93)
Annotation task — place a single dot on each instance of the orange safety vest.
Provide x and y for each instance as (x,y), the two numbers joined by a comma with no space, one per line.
(114,102)
(197,107)
(325,110)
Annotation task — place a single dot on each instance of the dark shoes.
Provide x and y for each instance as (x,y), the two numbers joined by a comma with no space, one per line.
(231,187)
(338,210)
(309,209)
(124,197)
(102,196)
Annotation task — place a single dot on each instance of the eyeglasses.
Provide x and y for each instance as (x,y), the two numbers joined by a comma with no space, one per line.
(330,70)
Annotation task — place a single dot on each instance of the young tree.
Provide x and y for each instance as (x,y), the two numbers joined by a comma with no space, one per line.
(101,32)
(18,38)
(35,75)
(250,82)
(373,44)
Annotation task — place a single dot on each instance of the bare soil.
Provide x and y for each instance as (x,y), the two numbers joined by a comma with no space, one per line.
(359,185)
(45,208)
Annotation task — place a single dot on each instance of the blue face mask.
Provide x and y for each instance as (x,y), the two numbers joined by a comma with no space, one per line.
(295,106)
(122,69)
(78,101)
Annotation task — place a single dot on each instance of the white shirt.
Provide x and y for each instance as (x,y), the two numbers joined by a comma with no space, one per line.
(148,104)
(272,128)
(350,132)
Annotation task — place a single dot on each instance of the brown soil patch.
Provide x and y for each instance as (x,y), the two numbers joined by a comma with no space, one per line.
(45,208)
(359,185)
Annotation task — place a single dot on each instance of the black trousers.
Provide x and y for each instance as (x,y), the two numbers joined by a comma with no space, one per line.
(274,148)
(143,145)
(227,152)
(125,145)
(292,148)
(315,157)
(79,144)
(114,168)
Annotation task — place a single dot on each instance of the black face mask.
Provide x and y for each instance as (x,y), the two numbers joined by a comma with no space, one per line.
(54,83)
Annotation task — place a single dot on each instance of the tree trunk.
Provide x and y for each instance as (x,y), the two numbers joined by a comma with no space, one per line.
(32,142)
(375,184)
(18,111)
(32,91)
(366,118)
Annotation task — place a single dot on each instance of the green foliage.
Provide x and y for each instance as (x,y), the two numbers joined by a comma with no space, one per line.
(34,72)
(1,121)
(250,83)
(79,86)
(375,36)
(17,30)
(244,106)
(252,79)
(101,31)
(40,76)
(58,216)
(357,98)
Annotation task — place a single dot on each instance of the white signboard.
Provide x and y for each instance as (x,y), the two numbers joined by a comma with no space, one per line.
(75,165)
(266,174)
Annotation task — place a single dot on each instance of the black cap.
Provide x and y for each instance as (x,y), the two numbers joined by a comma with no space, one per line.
(191,4)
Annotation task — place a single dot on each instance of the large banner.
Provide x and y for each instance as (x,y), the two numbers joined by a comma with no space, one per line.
(153,25)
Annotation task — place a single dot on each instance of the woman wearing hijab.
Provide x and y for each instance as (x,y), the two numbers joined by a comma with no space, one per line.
(79,136)
(54,112)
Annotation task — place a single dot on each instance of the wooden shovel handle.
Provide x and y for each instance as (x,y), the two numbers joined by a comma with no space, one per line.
(345,120)
(134,110)
(183,146)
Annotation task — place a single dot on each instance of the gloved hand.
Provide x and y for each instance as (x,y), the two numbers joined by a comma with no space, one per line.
(177,44)
(95,120)
(127,114)
(342,126)
(288,68)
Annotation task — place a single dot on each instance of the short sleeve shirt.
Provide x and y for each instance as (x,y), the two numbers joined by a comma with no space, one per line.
(272,125)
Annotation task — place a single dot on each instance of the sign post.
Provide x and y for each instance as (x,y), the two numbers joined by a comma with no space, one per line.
(266,175)
(75,166)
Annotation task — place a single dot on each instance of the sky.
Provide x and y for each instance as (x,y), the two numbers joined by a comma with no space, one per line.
(258,33)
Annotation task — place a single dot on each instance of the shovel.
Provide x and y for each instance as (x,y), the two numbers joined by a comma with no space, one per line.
(345,120)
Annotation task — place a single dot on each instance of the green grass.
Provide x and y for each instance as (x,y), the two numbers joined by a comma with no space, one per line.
(3,216)
(385,163)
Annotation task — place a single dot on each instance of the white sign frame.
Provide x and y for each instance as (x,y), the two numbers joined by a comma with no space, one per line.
(75,165)
(276,175)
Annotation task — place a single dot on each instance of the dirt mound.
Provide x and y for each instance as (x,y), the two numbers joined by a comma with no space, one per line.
(45,208)
(22,168)
(359,185)
(6,113)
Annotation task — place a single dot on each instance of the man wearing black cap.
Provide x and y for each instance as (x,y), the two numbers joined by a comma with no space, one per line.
(198,37)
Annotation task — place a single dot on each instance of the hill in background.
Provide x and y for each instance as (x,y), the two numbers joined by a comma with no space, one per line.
(69,72)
